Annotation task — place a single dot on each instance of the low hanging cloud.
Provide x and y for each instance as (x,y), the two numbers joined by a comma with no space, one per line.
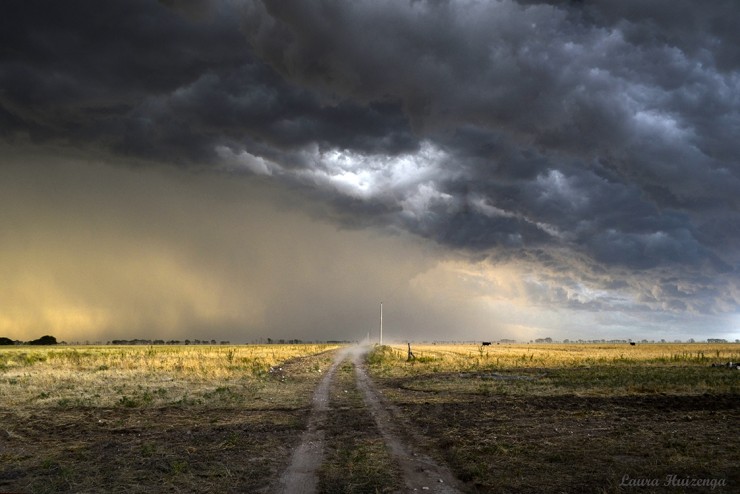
(591,143)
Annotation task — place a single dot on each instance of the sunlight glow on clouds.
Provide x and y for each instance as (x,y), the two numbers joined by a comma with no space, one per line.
(370,175)
(408,179)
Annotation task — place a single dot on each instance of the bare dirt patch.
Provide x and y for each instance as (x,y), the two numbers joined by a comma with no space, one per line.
(144,450)
(524,442)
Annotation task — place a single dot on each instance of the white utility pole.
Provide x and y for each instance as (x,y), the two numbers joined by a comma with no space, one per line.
(381,323)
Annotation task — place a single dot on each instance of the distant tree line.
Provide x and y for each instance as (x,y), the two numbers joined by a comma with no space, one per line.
(44,340)
(282,341)
(168,342)
(51,340)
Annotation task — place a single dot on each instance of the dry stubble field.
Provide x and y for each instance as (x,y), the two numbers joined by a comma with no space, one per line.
(152,419)
(574,418)
(508,418)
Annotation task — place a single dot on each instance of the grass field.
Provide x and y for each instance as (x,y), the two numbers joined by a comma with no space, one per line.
(506,418)
(574,418)
(152,419)
(135,376)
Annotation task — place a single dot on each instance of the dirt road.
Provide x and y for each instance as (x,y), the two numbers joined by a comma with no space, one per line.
(420,472)
(300,476)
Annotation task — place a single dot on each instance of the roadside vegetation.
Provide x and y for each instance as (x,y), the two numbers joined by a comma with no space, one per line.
(152,419)
(572,418)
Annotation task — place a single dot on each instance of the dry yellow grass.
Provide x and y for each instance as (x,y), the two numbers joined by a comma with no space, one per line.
(142,418)
(571,418)
(449,357)
(553,369)
(141,375)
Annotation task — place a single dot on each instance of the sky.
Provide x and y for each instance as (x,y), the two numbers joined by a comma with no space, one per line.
(245,169)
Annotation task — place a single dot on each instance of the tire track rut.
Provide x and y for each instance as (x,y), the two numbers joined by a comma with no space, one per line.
(421,473)
(300,476)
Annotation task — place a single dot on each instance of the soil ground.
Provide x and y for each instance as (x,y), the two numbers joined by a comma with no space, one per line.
(520,443)
(147,450)
(363,432)
(230,439)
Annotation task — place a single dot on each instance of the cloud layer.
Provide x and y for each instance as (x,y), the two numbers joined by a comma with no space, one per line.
(593,143)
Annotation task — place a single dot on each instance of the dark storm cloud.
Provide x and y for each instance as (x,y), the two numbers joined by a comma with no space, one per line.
(141,79)
(540,79)
(605,130)
(81,72)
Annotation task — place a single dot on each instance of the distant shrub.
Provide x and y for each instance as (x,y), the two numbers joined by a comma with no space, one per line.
(381,354)
(6,341)
(44,340)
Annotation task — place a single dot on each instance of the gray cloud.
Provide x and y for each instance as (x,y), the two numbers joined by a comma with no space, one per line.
(595,141)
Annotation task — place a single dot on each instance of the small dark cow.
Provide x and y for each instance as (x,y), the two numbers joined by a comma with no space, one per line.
(633,343)
(486,343)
